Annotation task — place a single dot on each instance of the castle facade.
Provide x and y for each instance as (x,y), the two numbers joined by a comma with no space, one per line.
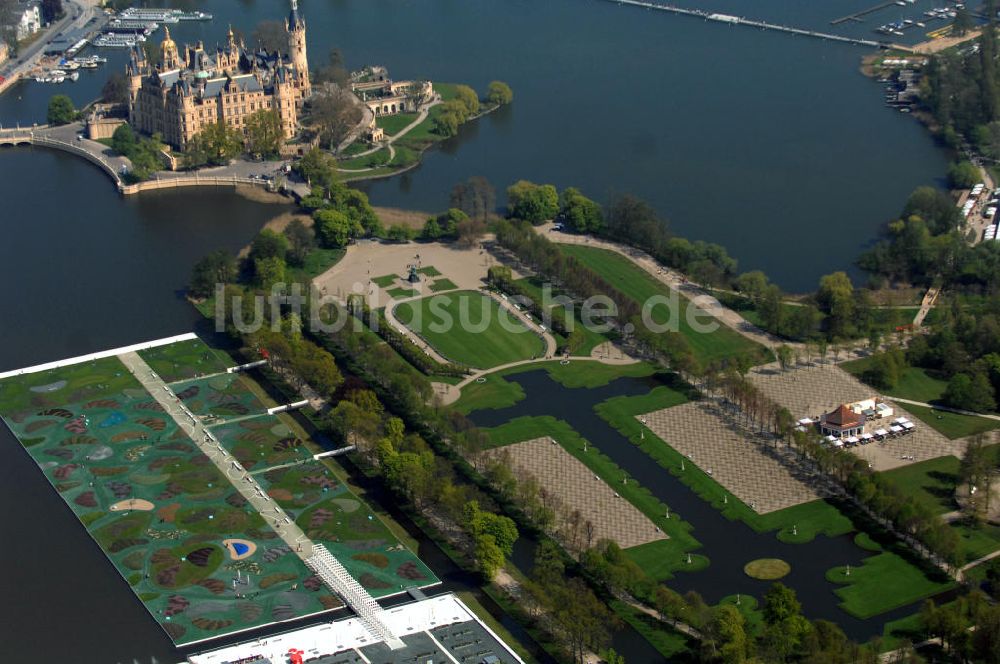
(186,91)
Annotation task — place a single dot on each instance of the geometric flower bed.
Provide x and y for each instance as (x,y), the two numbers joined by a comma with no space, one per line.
(330,514)
(202,561)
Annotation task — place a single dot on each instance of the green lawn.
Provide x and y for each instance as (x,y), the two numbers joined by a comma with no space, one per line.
(952,425)
(393,124)
(913,384)
(385,280)
(495,392)
(883,582)
(317,262)
(931,483)
(442,285)
(674,646)
(637,284)
(465,328)
(533,289)
(373,160)
(400,293)
(429,271)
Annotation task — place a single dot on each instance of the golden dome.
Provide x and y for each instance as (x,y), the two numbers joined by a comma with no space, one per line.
(167,43)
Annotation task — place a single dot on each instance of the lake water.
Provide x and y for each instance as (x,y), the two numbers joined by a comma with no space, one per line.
(773,145)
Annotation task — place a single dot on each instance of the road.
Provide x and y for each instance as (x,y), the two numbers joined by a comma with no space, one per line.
(77,13)
(957,411)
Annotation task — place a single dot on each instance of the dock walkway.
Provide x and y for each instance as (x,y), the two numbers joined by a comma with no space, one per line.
(739,20)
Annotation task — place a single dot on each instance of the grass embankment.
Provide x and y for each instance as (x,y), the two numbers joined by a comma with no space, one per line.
(634,282)
(465,327)
(495,392)
(660,559)
(810,519)
(393,124)
(933,484)
(882,583)
(533,288)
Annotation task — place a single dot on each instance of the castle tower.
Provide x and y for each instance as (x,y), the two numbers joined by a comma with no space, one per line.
(134,71)
(296,28)
(168,52)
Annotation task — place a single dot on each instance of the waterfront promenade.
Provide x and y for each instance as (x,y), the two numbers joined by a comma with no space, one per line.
(68,138)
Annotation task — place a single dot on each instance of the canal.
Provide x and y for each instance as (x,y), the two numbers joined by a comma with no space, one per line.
(729,545)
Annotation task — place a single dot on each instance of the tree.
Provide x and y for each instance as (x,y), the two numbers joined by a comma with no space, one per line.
(499,93)
(780,603)
(967,392)
(216,268)
(270,36)
(123,141)
(489,557)
(216,144)
(269,271)
(264,135)
(268,244)
(334,112)
(476,197)
(579,213)
(399,233)
(836,298)
(447,120)
(963,175)
(334,71)
(334,228)
(727,638)
(531,202)
(301,240)
(115,90)
(61,110)
(318,168)
(51,10)
(468,98)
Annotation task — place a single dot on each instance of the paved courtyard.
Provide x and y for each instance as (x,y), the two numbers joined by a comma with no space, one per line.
(578,488)
(365,264)
(813,390)
(750,472)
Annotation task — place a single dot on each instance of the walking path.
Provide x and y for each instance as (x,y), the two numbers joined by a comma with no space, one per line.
(315,556)
(947,409)
(676,281)
(926,305)
(387,143)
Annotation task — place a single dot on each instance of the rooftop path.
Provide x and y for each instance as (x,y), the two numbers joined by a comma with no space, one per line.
(315,556)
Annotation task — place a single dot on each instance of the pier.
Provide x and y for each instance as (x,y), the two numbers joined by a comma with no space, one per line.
(739,20)
(856,16)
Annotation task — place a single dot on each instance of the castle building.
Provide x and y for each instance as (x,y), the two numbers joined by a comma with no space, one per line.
(191,89)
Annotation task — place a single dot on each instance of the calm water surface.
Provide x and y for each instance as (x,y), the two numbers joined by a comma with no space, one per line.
(772,145)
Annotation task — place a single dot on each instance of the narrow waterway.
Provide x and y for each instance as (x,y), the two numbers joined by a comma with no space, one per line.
(729,545)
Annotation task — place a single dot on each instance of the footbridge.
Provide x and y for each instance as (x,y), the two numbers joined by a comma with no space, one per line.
(64,138)
(739,20)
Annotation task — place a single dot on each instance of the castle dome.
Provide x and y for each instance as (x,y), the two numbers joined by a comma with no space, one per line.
(167,43)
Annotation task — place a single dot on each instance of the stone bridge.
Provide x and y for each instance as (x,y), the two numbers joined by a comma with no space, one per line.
(67,138)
